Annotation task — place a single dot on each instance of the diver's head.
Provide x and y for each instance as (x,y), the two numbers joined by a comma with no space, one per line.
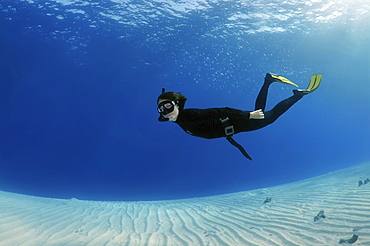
(169,104)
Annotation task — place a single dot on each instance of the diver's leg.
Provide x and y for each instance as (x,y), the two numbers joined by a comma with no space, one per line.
(262,95)
(282,107)
(273,114)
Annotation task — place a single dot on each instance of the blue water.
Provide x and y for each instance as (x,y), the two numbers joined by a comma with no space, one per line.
(79,82)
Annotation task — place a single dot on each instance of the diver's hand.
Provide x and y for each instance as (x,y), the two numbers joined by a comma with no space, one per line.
(257,115)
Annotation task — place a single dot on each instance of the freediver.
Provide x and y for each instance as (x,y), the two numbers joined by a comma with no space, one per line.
(225,122)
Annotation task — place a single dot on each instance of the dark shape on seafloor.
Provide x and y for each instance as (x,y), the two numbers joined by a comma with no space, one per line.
(268,199)
(319,215)
(351,240)
(363,182)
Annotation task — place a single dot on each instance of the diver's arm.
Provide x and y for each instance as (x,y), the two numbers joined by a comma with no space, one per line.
(257,115)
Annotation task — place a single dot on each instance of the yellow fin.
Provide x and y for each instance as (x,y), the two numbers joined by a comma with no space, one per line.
(314,84)
(282,79)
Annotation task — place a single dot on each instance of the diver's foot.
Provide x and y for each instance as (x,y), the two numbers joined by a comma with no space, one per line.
(271,77)
(300,93)
(314,84)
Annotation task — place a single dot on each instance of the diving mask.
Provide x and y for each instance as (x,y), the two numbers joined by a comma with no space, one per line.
(166,107)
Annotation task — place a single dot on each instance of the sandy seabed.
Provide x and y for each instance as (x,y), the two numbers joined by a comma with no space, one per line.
(319,211)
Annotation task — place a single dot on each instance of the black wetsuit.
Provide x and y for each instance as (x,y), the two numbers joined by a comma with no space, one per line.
(206,123)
